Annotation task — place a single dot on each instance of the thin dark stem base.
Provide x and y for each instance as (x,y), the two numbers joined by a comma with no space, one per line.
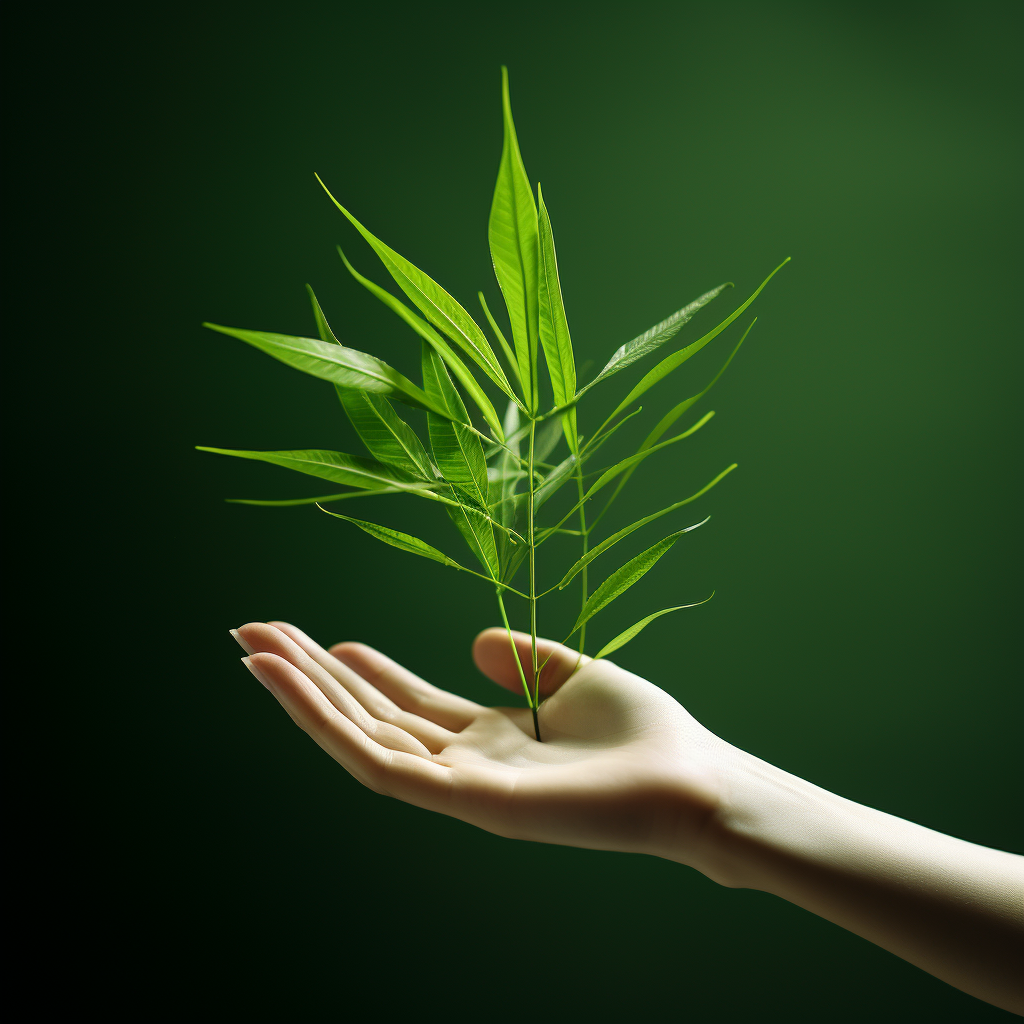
(536,725)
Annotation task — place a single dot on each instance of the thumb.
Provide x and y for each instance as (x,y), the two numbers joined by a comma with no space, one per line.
(493,655)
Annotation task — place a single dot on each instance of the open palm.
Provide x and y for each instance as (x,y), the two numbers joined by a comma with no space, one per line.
(622,765)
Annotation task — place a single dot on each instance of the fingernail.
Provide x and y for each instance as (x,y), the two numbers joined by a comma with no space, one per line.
(257,673)
(241,643)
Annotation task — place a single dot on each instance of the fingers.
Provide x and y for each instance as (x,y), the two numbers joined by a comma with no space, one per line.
(407,690)
(408,776)
(266,639)
(431,733)
(493,655)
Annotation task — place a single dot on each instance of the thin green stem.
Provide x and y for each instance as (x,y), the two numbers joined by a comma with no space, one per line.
(586,547)
(533,577)
(515,654)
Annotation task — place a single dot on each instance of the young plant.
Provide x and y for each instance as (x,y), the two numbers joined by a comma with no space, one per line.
(493,482)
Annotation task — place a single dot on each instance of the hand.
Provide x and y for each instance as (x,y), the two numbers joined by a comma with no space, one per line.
(622,765)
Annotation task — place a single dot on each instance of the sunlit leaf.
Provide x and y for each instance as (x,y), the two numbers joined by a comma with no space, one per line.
(320,499)
(436,342)
(554,328)
(338,467)
(397,539)
(512,235)
(672,362)
(336,363)
(457,451)
(626,635)
(435,303)
(388,437)
(671,416)
(624,577)
(654,336)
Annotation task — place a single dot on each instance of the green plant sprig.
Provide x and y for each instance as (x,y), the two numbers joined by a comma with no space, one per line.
(490,487)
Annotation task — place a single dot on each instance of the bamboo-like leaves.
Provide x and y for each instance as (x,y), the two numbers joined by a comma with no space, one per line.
(397,539)
(672,362)
(444,312)
(338,467)
(654,336)
(319,499)
(626,635)
(457,451)
(460,457)
(388,437)
(624,577)
(512,236)
(554,329)
(336,363)
(436,342)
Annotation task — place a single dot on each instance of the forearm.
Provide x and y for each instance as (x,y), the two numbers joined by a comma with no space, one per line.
(952,908)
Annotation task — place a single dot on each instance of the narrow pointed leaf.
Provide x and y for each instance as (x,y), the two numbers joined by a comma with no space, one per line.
(510,356)
(626,531)
(506,505)
(435,303)
(512,236)
(620,467)
(554,329)
(387,436)
(624,577)
(402,541)
(338,467)
(436,342)
(457,451)
(673,414)
(672,362)
(654,336)
(319,499)
(478,533)
(322,326)
(336,363)
(626,635)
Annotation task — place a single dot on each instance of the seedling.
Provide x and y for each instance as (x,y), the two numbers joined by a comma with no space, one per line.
(494,481)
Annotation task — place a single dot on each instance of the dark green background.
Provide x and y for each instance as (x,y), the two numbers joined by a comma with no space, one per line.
(189,855)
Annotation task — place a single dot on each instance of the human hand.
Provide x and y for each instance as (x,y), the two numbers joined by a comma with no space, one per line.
(622,765)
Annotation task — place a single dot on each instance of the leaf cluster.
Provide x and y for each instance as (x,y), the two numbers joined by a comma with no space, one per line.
(494,474)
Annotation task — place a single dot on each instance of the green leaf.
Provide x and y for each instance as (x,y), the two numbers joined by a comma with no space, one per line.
(670,363)
(478,533)
(554,329)
(336,363)
(654,336)
(436,342)
(620,467)
(457,451)
(623,578)
(672,415)
(338,467)
(507,505)
(319,499)
(388,437)
(509,354)
(397,539)
(624,637)
(322,326)
(626,531)
(435,303)
(512,236)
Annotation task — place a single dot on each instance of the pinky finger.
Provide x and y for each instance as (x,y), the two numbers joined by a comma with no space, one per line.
(409,777)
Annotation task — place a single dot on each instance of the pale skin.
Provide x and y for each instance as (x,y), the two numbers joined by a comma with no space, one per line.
(624,766)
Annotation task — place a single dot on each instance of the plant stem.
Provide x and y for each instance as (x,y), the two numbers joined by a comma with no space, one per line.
(533,583)
(586,547)
(519,664)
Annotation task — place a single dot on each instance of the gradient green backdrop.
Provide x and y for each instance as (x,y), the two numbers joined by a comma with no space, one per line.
(191,856)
